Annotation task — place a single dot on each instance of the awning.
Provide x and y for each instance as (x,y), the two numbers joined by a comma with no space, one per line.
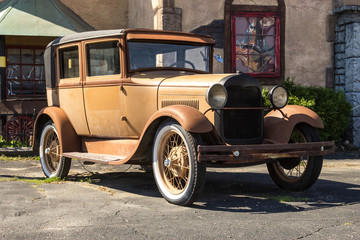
(39,18)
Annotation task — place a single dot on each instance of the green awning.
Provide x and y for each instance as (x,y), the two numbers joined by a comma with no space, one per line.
(39,18)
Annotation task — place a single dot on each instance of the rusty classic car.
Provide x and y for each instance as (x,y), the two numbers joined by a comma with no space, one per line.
(149,97)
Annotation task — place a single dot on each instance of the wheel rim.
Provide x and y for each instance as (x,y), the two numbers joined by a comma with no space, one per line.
(292,174)
(173,162)
(51,150)
(19,128)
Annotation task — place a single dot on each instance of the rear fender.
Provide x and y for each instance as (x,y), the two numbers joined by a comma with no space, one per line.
(69,140)
(278,129)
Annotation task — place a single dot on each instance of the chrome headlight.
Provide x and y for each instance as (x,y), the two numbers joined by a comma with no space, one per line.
(216,96)
(278,97)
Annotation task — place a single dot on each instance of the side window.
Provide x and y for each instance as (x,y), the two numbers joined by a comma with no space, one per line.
(103,58)
(69,62)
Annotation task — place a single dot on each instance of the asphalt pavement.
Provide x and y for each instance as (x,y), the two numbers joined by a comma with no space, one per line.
(109,202)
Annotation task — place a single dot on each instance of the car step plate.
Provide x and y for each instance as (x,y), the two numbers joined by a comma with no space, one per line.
(93,157)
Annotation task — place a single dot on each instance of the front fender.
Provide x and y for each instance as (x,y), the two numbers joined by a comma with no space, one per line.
(191,119)
(278,128)
(69,140)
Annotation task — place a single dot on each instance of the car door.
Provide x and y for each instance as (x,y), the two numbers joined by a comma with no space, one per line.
(103,97)
(70,93)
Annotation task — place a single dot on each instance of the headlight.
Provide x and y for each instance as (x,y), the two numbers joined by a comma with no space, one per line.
(216,96)
(278,97)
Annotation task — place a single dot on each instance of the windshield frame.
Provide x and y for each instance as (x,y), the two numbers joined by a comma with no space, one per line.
(187,43)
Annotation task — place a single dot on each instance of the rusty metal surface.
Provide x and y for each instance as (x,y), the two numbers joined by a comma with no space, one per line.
(261,153)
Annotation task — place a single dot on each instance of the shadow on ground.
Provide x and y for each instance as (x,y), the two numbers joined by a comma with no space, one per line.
(239,192)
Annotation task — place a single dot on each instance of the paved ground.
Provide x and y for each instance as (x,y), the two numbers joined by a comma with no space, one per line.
(123,203)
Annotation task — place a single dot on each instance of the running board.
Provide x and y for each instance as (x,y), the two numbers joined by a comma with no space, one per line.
(93,157)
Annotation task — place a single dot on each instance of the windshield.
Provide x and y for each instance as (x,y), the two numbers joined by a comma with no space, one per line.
(160,55)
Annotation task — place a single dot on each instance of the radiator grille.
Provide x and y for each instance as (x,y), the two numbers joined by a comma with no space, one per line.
(243,124)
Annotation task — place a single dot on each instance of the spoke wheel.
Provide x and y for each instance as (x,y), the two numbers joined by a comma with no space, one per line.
(52,163)
(19,128)
(298,174)
(178,175)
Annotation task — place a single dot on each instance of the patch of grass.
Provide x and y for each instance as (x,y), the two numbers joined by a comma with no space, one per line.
(88,180)
(34,181)
(284,199)
(18,158)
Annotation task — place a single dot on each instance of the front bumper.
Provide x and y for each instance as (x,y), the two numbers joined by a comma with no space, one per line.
(261,153)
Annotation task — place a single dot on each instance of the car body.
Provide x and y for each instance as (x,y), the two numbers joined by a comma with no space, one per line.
(149,97)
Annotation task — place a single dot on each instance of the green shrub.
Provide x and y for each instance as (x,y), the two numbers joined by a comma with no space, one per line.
(331,106)
(12,143)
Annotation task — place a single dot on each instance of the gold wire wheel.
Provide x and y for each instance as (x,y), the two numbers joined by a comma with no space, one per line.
(174,162)
(52,150)
(294,168)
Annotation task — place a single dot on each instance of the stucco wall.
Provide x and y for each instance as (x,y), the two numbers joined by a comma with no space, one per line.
(306,51)
(141,13)
(101,14)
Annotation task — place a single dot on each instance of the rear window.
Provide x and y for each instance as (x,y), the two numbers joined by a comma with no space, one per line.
(69,62)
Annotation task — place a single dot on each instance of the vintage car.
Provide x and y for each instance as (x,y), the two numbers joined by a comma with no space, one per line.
(148,97)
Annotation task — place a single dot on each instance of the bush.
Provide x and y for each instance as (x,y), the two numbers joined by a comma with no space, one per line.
(331,106)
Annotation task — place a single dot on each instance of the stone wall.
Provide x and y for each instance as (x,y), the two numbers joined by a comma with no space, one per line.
(347,62)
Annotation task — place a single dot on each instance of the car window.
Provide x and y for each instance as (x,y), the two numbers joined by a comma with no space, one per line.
(69,62)
(103,58)
(157,55)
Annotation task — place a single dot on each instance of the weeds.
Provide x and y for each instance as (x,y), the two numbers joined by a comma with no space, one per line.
(33,181)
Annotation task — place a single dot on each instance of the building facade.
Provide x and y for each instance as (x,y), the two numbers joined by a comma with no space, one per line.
(316,42)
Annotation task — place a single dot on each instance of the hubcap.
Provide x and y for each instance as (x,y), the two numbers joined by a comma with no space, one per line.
(47,151)
(167,162)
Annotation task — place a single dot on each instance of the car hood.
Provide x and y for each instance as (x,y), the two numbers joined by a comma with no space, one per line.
(176,79)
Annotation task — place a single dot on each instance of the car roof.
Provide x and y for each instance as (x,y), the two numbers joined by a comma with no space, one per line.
(119,32)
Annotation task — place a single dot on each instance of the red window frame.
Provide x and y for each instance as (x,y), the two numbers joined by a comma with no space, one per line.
(20,64)
(276,15)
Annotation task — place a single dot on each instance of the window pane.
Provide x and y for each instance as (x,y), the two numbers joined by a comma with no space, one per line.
(69,61)
(27,72)
(39,56)
(103,59)
(13,88)
(268,24)
(39,73)
(13,55)
(27,56)
(40,88)
(13,72)
(27,88)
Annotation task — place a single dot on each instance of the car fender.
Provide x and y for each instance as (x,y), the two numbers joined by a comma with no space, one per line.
(191,119)
(69,140)
(278,127)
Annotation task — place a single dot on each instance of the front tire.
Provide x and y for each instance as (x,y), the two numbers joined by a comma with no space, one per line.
(52,163)
(298,174)
(179,176)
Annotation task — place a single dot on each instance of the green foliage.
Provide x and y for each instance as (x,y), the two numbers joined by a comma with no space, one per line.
(36,181)
(13,143)
(331,106)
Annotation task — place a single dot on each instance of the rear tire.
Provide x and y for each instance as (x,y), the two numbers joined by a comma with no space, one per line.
(179,176)
(298,174)
(52,163)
